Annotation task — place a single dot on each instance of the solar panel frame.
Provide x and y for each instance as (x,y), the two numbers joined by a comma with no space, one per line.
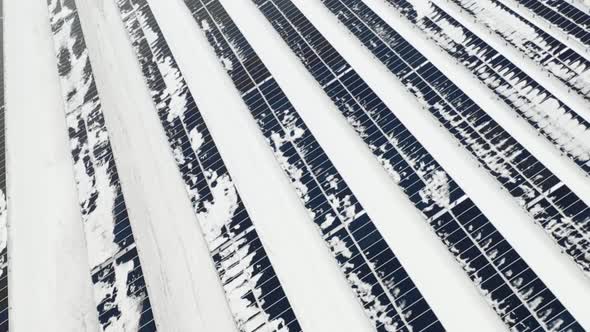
(362,253)
(565,217)
(117,278)
(253,290)
(469,235)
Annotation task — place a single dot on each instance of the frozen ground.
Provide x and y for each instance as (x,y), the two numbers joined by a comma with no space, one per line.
(49,277)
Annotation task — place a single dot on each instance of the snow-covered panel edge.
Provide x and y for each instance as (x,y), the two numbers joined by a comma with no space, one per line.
(119,288)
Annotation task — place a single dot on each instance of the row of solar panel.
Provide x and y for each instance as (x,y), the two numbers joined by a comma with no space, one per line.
(3,206)
(381,284)
(563,15)
(236,249)
(548,52)
(114,261)
(546,198)
(560,124)
(485,255)
(377,277)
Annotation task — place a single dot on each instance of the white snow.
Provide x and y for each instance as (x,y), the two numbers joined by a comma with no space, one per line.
(42,199)
(130,307)
(184,288)
(436,189)
(220,210)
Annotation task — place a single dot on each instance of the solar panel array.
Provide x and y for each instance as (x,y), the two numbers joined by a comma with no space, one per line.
(119,286)
(253,290)
(515,292)
(552,34)
(560,124)
(3,205)
(383,287)
(554,206)
(548,52)
(563,15)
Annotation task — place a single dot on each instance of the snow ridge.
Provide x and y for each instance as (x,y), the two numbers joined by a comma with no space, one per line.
(253,291)
(534,187)
(388,295)
(479,248)
(560,60)
(559,124)
(119,288)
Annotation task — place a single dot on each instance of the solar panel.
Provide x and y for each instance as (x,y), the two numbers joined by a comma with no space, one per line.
(489,260)
(568,131)
(254,293)
(561,213)
(387,293)
(563,15)
(565,63)
(118,283)
(3,205)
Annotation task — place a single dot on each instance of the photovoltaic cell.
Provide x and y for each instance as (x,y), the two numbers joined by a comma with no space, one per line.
(561,125)
(515,292)
(548,52)
(254,293)
(3,205)
(561,213)
(562,15)
(380,283)
(117,278)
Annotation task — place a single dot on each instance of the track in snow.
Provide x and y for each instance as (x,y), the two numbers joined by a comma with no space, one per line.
(561,213)
(252,288)
(119,287)
(515,292)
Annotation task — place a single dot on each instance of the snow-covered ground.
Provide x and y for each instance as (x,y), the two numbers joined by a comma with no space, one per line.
(49,271)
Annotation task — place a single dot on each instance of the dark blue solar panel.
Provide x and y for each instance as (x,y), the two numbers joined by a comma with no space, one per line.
(3,205)
(254,293)
(390,298)
(563,215)
(117,277)
(562,15)
(561,125)
(562,61)
(496,268)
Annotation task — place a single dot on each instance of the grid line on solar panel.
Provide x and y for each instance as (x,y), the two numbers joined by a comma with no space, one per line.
(563,62)
(561,213)
(482,240)
(117,277)
(4,323)
(235,247)
(561,125)
(563,15)
(380,283)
